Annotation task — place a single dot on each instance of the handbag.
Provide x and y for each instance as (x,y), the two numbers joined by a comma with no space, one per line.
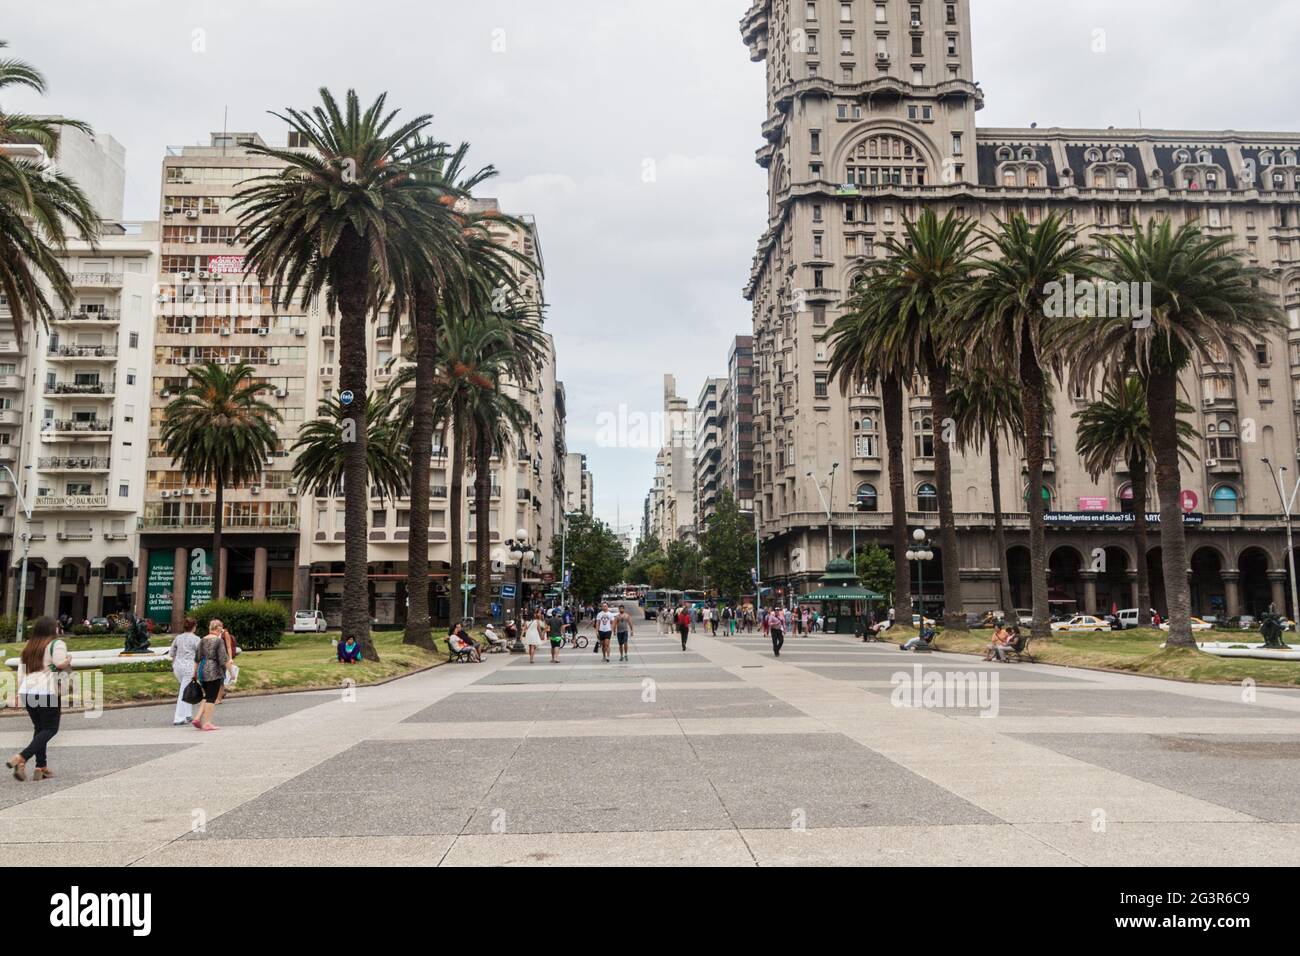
(193,692)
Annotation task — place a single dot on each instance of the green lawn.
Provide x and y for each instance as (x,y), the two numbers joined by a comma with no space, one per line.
(1138,651)
(301,662)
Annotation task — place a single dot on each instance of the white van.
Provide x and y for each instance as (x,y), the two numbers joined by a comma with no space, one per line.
(309,622)
(1128,618)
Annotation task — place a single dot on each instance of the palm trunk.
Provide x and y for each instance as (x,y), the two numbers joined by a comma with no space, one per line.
(456,496)
(482,523)
(1162,402)
(1137,469)
(419,625)
(891,390)
(217,520)
(353,298)
(954,608)
(1033,390)
(999,528)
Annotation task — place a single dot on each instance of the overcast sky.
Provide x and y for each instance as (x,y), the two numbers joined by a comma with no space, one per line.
(627,127)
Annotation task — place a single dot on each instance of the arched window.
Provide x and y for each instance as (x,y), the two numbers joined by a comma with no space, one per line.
(1225,500)
(923,438)
(1047,498)
(867,498)
(1288,159)
(1126,499)
(1005,155)
(1116,155)
(1027,154)
(1182,156)
(1093,156)
(1204,157)
(927,499)
(1266,159)
(885,159)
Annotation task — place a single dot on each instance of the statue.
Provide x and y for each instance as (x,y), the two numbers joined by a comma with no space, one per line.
(137,635)
(1272,630)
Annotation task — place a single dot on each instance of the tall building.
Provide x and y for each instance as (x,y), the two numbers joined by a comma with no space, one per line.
(578,487)
(736,424)
(708,451)
(870,118)
(282,541)
(672,504)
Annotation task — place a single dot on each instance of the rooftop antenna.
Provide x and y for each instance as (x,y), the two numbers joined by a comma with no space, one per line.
(1139,119)
(225,125)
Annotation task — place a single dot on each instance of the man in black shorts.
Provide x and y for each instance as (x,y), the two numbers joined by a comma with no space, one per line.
(623,628)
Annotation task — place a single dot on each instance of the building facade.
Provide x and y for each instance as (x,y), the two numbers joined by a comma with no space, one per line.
(736,424)
(578,488)
(870,118)
(281,541)
(708,451)
(672,496)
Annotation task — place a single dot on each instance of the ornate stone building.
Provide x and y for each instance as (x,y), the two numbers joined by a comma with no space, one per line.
(870,118)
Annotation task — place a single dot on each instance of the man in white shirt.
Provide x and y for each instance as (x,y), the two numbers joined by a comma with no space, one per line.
(604,629)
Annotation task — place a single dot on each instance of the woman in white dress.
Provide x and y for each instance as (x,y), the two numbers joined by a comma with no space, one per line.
(182,657)
(535,636)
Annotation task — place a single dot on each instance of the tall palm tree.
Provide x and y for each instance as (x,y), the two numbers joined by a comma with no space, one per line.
(915,287)
(1206,303)
(855,363)
(327,223)
(985,404)
(40,208)
(320,447)
(218,431)
(1118,428)
(1007,321)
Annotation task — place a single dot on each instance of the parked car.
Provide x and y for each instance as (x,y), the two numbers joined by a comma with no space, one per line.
(309,622)
(1024,616)
(1080,623)
(1197,625)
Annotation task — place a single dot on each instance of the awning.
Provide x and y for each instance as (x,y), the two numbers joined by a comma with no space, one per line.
(841,594)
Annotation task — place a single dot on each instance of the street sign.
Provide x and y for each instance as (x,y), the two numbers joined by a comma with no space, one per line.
(508,592)
(345,397)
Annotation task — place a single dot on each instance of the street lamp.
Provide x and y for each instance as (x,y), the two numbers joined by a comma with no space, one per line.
(830,482)
(1288,506)
(921,553)
(27,543)
(520,551)
(564,544)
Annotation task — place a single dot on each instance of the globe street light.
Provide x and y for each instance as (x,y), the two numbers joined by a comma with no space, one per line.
(520,551)
(920,554)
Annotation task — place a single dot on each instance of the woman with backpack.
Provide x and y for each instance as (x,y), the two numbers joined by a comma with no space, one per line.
(43,663)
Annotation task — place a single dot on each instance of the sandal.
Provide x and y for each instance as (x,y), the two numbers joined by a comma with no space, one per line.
(19,766)
(43,773)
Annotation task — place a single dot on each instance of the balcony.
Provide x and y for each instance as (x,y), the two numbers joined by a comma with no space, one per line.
(73,428)
(70,503)
(76,463)
(327,332)
(82,352)
(158,522)
(96,279)
(96,318)
(8,453)
(75,536)
(10,416)
(11,383)
(438,491)
(94,390)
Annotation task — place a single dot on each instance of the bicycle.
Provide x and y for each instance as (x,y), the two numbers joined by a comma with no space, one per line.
(575,640)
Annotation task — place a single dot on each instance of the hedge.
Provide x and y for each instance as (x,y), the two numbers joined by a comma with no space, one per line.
(257,625)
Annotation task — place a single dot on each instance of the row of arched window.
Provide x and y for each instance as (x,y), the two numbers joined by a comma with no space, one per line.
(1225,499)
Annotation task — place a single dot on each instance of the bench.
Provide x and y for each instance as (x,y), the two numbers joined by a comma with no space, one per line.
(461,656)
(1020,649)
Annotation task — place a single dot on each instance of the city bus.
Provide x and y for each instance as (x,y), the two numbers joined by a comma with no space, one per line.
(659,598)
(695,599)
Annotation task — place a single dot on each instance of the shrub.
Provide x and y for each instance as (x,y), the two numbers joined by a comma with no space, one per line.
(257,625)
(8,629)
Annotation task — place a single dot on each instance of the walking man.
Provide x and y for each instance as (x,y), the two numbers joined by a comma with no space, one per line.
(776,628)
(604,629)
(623,628)
(684,623)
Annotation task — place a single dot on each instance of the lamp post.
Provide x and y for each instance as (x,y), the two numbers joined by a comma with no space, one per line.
(1288,506)
(921,553)
(520,551)
(564,545)
(826,504)
(27,543)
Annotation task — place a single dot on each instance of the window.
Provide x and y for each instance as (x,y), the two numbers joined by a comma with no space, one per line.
(810,11)
(956,144)
(1224,500)
(815,144)
(820,385)
(846,13)
(952,44)
(124,490)
(1261,353)
(923,437)
(133,340)
(866,443)
(927,499)
(867,499)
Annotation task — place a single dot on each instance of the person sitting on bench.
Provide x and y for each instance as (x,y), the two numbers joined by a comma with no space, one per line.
(495,644)
(459,642)
(1010,643)
(349,651)
(925,638)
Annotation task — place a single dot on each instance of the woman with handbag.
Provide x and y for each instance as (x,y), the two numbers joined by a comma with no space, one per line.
(43,663)
(212,663)
(533,635)
(182,657)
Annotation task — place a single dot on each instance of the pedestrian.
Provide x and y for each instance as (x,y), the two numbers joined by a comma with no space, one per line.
(533,635)
(623,629)
(776,628)
(181,653)
(232,650)
(41,666)
(604,630)
(684,624)
(212,663)
(558,627)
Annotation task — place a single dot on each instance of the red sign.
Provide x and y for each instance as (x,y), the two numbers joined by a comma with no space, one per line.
(1190,501)
(226,265)
(1094,504)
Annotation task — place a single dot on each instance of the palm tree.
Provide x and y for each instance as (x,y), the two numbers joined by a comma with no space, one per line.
(40,208)
(320,447)
(1118,428)
(218,431)
(985,403)
(915,287)
(1205,303)
(855,362)
(1007,322)
(329,223)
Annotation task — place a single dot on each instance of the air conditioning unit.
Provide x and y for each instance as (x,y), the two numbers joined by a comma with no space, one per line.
(281,393)
(164,298)
(293,491)
(219,360)
(274,361)
(191,238)
(188,492)
(225,331)
(1208,400)
(168,210)
(164,394)
(230,241)
(263,331)
(1211,463)
(205,274)
(204,491)
(191,214)
(882,57)
(300,332)
(166,494)
(183,275)
(255,490)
